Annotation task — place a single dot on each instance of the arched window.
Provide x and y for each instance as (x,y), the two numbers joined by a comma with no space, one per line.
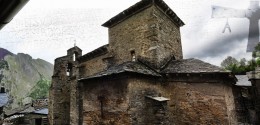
(68,69)
(74,57)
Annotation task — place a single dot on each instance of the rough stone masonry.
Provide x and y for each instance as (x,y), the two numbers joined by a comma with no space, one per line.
(140,77)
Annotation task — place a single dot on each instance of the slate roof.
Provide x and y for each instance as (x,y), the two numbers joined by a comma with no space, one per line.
(175,66)
(141,6)
(97,52)
(3,99)
(191,66)
(243,80)
(134,67)
(23,109)
(27,109)
(43,111)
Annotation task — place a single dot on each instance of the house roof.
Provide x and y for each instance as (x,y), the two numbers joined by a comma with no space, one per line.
(43,111)
(24,109)
(174,66)
(191,66)
(8,9)
(3,99)
(134,67)
(27,109)
(243,80)
(141,6)
(73,48)
(97,52)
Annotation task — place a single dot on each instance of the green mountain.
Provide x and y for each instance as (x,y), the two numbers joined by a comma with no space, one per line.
(24,78)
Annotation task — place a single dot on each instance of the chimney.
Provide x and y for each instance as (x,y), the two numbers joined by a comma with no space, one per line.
(2,90)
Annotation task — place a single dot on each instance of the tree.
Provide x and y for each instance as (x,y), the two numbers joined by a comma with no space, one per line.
(228,62)
(40,90)
(251,65)
(241,67)
(256,52)
(242,62)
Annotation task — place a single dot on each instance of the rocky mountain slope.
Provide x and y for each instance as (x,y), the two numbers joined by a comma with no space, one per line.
(24,78)
(4,52)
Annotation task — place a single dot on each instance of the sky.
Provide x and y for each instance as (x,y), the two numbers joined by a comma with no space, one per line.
(47,28)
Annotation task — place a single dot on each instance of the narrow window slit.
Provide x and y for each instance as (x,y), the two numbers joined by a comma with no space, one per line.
(101,100)
(133,56)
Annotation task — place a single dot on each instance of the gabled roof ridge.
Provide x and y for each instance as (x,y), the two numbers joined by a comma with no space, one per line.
(150,67)
(205,63)
(129,66)
(167,63)
(74,47)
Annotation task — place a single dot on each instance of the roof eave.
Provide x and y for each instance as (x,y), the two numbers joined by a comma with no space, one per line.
(95,53)
(109,75)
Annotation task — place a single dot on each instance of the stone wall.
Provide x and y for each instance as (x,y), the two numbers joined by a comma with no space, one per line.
(92,66)
(74,95)
(254,77)
(256,98)
(150,34)
(169,38)
(105,103)
(190,103)
(61,100)
(244,104)
(124,101)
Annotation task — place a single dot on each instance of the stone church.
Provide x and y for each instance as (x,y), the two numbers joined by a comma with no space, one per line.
(140,77)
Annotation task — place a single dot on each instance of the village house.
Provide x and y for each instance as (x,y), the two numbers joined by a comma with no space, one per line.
(140,77)
(34,113)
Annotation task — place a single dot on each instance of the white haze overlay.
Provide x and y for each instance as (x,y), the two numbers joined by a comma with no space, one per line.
(47,28)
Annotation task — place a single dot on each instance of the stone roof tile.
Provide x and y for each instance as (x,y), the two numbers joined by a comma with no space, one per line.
(175,66)
(134,67)
(191,66)
(97,52)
